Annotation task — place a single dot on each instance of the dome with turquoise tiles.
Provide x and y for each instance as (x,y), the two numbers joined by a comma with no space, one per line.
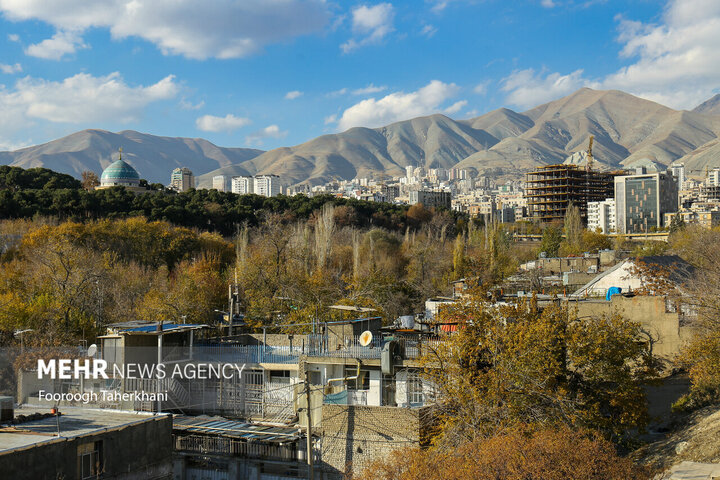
(120,173)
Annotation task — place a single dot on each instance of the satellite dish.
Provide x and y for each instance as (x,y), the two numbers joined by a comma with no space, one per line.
(365,338)
(92,350)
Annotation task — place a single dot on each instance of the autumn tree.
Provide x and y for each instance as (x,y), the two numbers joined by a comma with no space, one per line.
(89,180)
(519,364)
(548,454)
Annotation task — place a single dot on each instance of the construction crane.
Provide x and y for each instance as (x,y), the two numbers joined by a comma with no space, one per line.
(589,161)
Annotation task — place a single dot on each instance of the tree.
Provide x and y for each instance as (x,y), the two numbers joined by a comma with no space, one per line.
(548,454)
(89,180)
(551,240)
(518,365)
(573,228)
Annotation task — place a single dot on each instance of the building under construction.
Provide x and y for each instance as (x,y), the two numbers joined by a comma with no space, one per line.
(551,188)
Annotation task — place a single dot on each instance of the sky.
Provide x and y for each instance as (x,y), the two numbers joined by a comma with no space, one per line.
(270,73)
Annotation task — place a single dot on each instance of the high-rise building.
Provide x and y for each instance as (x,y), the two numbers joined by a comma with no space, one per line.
(267,185)
(182,179)
(678,171)
(220,183)
(643,200)
(601,215)
(714,177)
(242,185)
(431,198)
(552,188)
(409,172)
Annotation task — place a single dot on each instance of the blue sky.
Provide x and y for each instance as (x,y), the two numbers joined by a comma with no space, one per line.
(269,73)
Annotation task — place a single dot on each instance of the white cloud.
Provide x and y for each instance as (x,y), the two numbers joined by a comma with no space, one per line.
(369,89)
(398,106)
(10,69)
(271,131)
(82,98)
(337,93)
(548,3)
(370,25)
(61,44)
(481,88)
(13,37)
(428,31)
(186,104)
(228,123)
(455,107)
(331,119)
(293,95)
(220,29)
(527,89)
(675,62)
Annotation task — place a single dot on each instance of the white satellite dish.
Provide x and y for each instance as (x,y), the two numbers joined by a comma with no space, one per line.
(92,350)
(365,338)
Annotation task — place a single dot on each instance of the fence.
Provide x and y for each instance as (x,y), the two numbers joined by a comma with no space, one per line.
(225,353)
(207,445)
(350,347)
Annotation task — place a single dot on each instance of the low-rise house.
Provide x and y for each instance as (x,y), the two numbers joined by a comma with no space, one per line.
(80,443)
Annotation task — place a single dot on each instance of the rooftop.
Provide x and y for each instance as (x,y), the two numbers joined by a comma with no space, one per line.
(73,421)
(256,432)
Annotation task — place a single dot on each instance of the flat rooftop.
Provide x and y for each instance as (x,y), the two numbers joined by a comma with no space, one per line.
(74,422)
(231,428)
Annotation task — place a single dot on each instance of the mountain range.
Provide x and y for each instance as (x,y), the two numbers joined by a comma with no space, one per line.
(629,131)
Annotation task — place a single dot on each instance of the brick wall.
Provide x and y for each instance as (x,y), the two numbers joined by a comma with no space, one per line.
(354,436)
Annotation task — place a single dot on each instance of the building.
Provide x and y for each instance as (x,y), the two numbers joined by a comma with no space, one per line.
(182,179)
(601,215)
(552,188)
(83,443)
(678,171)
(431,198)
(705,217)
(267,185)
(243,185)
(714,177)
(220,183)
(120,174)
(389,192)
(643,200)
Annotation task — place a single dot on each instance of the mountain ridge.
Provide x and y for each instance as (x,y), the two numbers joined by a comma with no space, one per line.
(502,143)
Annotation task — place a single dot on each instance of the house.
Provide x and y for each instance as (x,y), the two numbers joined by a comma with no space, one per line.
(633,274)
(86,443)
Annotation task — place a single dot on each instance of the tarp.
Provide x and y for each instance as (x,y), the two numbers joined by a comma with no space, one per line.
(612,291)
(340,398)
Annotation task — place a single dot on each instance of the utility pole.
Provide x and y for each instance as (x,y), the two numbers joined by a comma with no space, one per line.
(311,474)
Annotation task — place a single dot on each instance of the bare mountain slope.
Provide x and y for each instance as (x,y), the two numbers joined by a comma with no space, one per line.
(628,130)
(153,157)
(710,106)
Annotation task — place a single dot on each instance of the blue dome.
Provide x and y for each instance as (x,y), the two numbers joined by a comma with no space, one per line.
(119,171)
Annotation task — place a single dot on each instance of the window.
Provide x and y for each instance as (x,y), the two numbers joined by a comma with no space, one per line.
(415,392)
(90,460)
(280,376)
(362,382)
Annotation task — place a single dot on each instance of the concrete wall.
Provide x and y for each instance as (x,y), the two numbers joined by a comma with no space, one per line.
(354,436)
(664,328)
(135,452)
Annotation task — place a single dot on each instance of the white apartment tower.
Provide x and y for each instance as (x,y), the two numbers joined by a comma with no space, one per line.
(182,179)
(267,185)
(242,185)
(678,171)
(601,215)
(220,183)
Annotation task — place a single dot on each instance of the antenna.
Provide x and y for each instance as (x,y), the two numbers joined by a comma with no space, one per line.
(365,338)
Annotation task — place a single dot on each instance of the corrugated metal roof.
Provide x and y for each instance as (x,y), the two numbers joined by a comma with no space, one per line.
(236,429)
(166,327)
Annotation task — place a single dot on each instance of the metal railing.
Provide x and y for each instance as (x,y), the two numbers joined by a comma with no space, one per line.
(225,353)
(350,347)
(207,445)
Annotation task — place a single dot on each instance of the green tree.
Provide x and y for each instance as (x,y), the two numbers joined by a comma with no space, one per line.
(551,240)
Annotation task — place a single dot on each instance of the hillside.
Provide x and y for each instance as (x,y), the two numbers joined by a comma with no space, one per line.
(628,131)
(154,157)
